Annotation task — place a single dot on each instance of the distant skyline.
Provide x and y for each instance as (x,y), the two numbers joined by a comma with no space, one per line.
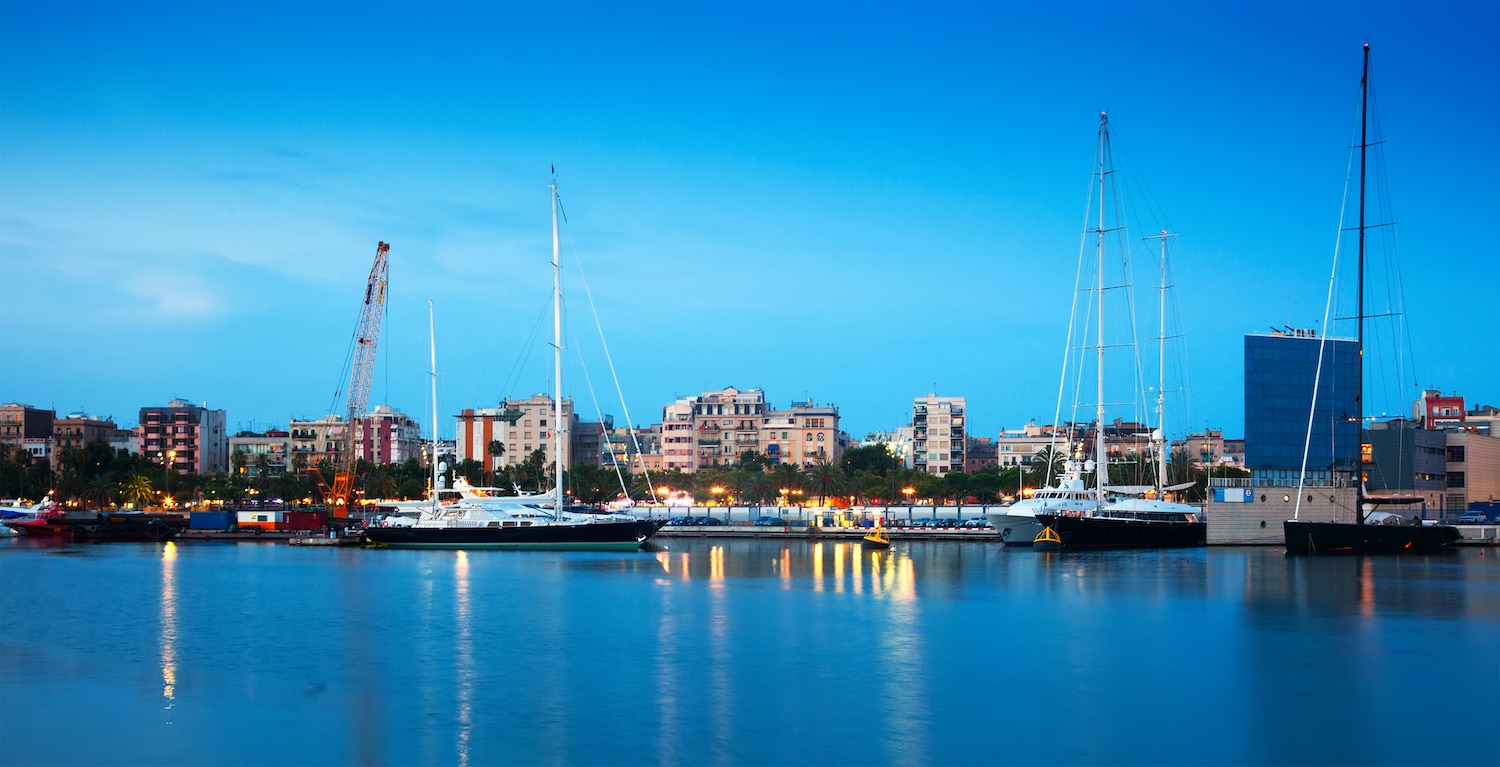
(857,203)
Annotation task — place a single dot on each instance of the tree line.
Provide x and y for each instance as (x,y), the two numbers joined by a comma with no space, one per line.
(97,476)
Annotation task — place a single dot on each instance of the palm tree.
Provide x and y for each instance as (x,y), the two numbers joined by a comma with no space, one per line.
(788,477)
(381,484)
(495,449)
(100,490)
(825,479)
(138,489)
(757,488)
(238,461)
(1046,465)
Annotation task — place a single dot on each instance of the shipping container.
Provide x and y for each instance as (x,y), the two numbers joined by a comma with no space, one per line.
(210,520)
(304,520)
(260,520)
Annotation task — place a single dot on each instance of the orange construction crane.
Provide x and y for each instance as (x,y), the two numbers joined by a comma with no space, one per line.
(339,495)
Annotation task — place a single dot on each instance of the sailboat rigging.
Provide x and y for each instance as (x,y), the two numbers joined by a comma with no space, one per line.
(1071,515)
(540,521)
(1379,532)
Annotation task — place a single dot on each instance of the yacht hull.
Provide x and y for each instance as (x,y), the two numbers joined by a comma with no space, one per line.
(103,528)
(597,536)
(1100,533)
(1351,538)
(1015,530)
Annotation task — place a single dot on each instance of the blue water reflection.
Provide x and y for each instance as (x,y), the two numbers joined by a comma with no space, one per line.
(742,652)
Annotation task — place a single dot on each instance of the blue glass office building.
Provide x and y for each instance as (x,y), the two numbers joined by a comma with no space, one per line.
(1279,374)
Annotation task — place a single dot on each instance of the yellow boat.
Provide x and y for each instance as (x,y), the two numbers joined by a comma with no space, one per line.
(1047,540)
(877,539)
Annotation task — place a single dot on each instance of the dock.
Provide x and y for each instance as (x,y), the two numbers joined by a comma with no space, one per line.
(323,540)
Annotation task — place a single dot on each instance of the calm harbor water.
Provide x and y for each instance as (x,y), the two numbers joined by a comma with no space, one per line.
(743,652)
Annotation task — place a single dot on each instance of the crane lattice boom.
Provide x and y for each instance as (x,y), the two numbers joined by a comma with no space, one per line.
(339,496)
(366,339)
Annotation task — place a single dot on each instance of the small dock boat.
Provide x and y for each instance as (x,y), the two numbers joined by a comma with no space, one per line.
(1047,540)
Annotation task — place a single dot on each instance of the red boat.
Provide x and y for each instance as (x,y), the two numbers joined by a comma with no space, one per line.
(100,526)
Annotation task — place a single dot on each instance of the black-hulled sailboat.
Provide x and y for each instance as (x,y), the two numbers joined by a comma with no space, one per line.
(1371,532)
(1111,516)
(536,521)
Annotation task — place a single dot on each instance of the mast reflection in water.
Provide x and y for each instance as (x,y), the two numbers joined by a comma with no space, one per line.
(749,652)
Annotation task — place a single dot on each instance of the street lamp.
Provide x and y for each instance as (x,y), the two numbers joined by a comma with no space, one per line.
(171,469)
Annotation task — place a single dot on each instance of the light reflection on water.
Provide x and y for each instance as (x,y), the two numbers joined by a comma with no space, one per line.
(169,627)
(740,652)
(463,654)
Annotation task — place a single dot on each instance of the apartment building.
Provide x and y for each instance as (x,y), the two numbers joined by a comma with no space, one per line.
(939,433)
(803,434)
(248,448)
(982,453)
(19,423)
(679,441)
(79,429)
(1473,470)
(727,423)
(387,435)
(1019,447)
(1210,448)
(192,439)
(522,426)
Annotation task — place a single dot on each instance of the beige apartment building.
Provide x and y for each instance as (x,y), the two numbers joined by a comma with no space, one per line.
(1018,447)
(679,443)
(939,433)
(1473,470)
(715,428)
(802,435)
(725,423)
(77,430)
(523,426)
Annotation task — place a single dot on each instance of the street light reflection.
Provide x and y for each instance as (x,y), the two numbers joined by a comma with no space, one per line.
(169,626)
(839,567)
(464,654)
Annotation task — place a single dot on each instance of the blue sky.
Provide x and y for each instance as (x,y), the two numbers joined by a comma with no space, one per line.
(856,203)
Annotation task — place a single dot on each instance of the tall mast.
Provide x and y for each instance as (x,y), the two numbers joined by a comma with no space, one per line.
(1161,369)
(557,461)
(432,344)
(1359,357)
(1101,461)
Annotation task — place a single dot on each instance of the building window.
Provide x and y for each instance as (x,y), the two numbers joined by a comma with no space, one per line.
(1455,479)
(1455,454)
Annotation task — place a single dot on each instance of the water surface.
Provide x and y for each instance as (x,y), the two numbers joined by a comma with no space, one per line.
(743,652)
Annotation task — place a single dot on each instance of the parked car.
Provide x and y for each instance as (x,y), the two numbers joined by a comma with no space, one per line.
(680,521)
(1473,519)
(706,521)
(770,522)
